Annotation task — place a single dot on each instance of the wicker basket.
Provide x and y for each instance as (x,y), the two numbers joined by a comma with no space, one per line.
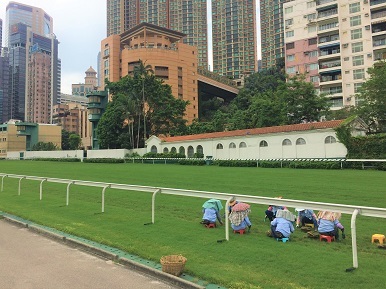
(173,264)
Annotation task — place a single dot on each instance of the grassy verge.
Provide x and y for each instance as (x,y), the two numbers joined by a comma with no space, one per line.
(247,261)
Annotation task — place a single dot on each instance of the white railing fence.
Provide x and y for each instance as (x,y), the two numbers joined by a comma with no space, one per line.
(345,209)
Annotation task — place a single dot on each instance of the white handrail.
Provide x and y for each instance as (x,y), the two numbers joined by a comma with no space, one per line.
(346,209)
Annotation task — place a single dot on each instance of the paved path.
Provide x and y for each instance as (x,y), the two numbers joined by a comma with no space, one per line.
(32,261)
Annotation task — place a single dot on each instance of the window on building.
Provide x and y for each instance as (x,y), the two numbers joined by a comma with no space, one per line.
(314,79)
(232,145)
(311,4)
(289,22)
(242,145)
(190,151)
(312,41)
(354,7)
(313,53)
(288,10)
(263,143)
(290,45)
(356,33)
(357,47)
(153,149)
(166,150)
(291,57)
(358,60)
(289,33)
(173,150)
(287,142)
(219,146)
(313,66)
(291,69)
(355,20)
(359,74)
(330,139)
(181,150)
(357,87)
(300,141)
(200,149)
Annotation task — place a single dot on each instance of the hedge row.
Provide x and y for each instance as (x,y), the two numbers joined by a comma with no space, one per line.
(192,162)
(104,160)
(71,160)
(235,163)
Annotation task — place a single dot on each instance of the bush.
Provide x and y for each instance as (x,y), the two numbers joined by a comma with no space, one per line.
(104,160)
(71,160)
(164,155)
(132,155)
(235,163)
(192,162)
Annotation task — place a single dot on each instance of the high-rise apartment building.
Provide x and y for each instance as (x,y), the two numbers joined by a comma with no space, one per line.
(186,16)
(34,63)
(272,32)
(335,42)
(234,37)
(1,33)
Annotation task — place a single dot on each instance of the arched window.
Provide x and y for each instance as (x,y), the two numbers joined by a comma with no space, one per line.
(300,141)
(287,142)
(154,149)
(263,143)
(181,150)
(330,139)
(166,150)
(242,145)
(232,145)
(200,150)
(219,146)
(173,150)
(190,151)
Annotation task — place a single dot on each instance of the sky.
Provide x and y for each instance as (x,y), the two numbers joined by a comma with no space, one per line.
(80,26)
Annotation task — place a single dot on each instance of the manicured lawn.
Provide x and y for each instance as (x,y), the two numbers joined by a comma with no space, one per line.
(246,261)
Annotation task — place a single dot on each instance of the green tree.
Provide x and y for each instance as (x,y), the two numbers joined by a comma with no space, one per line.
(142,105)
(75,141)
(372,108)
(65,140)
(301,101)
(44,146)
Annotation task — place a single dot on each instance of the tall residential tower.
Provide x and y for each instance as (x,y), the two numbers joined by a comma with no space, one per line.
(186,16)
(234,37)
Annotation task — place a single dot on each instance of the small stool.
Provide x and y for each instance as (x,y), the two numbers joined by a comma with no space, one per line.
(241,231)
(309,225)
(329,239)
(378,237)
(284,240)
(210,225)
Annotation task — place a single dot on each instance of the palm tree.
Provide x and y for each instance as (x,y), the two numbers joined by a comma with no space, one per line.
(142,70)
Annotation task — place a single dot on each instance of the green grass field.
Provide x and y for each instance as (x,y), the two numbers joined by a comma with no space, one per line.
(246,261)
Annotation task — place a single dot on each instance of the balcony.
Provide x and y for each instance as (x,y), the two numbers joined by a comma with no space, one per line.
(94,117)
(328,13)
(379,42)
(378,15)
(324,2)
(377,2)
(331,78)
(328,66)
(328,27)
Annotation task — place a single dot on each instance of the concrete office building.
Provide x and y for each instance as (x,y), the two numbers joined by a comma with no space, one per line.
(335,42)
(272,32)
(34,17)
(34,62)
(90,83)
(1,32)
(234,37)
(73,117)
(186,16)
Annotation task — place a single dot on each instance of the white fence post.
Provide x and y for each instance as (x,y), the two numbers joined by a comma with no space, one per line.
(354,238)
(41,188)
(103,197)
(2,182)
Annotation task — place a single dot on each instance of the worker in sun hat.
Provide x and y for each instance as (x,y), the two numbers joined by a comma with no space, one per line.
(211,210)
(329,224)
(306,216)
(232,202)
(281,226)
(270,213)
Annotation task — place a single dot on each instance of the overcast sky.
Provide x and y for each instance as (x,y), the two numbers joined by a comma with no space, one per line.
(79,25)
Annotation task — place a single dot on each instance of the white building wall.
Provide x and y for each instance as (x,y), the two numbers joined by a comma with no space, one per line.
(315,146)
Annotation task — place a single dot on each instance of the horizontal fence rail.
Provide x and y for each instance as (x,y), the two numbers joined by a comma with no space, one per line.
(346,209)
